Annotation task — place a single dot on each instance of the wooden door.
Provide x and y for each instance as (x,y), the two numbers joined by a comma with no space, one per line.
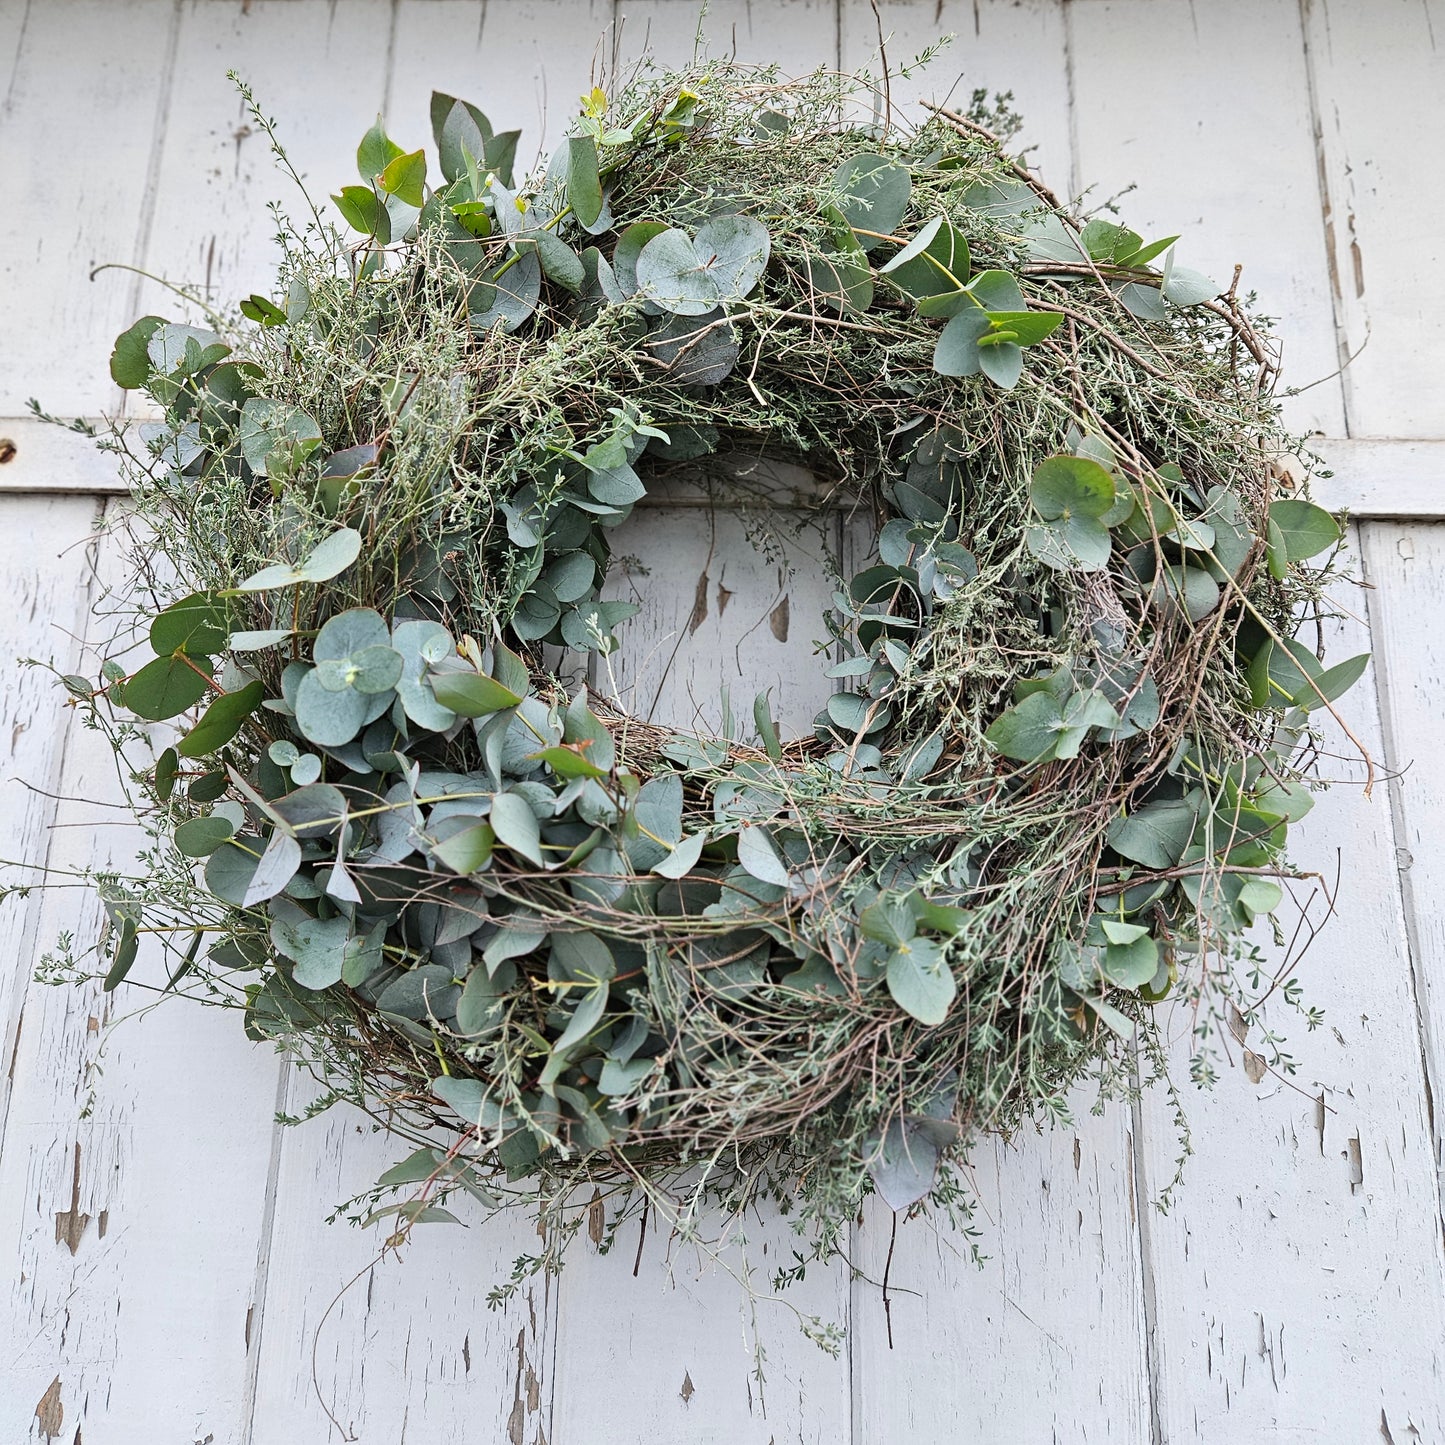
(173,1275)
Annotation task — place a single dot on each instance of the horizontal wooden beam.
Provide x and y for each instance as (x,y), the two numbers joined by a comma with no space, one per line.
(1370,476)
(37,456)
(1382,477)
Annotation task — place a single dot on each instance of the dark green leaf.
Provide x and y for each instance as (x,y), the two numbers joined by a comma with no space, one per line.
(376,151)
(461,132)
(126,947)
(1301,529)
(584,188)
(933,263)
(168,686)
(363,210)
(1156,834)
(467,851)
(258,308)
(196,624)
(221,721)
(167,767)
(471,694)
(130,364)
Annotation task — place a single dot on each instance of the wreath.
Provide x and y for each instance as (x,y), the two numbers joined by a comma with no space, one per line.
(556,946)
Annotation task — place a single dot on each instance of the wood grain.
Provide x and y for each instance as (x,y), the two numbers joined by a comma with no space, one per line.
(1299,1287)
(80,191)
(1377,73)
(133,1178)
(1166,141)
(1405,566)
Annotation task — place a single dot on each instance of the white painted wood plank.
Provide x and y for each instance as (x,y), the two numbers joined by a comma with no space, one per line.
(671,1355)
(1405,565)
(36,456)
(1209,85)
(133,1231)
(1383,477)
(800,35)
(321,73)
(410,1347)
(1379,83)
(46,562)
(1299,1287)
(79,187)
(1048,1335)
(997,45)
(718,612)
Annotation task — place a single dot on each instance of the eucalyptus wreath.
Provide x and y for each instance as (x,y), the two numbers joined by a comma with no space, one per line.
(557,946)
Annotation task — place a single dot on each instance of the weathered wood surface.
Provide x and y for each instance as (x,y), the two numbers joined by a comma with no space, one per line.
(172,1271)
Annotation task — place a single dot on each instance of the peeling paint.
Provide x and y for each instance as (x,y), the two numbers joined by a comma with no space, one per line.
(778,619)
(70,1223)
(50,1413)
(699,605)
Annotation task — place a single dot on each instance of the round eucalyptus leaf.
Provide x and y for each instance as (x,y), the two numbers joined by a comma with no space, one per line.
(511,294)
(306,769)
(328,719)
(230,869)
(1188,288)
(195,624)
(735,250)
(1062,487)
(1003,364)
(1073,543)
(997,291)
(629,247)
(1190,590)
(350,632)
(696,352)
(168,686)
(571,577)
(920,980)
(671,274)
(536,614)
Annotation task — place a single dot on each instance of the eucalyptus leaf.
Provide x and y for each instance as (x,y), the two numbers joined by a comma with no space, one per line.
(329,558)
(904,1165)
(277,866)
(759,857)
(516,827)
(168,686)
(1155,834)
(872,194)
(920,980)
